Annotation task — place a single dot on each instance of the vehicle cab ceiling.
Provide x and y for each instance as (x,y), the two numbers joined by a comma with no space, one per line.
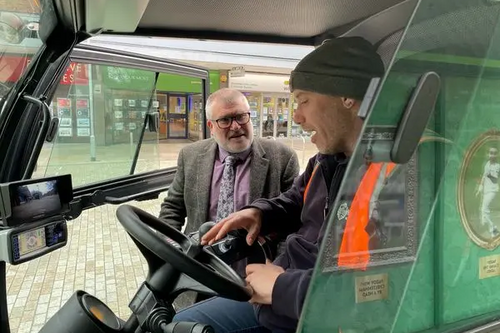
(281,21)
(306,22)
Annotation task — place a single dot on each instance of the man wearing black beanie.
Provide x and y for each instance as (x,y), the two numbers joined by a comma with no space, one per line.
(328,85)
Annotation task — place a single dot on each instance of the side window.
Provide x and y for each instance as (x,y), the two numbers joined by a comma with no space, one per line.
(103,128)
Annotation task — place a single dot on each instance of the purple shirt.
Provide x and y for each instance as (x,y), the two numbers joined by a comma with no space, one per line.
(241,183)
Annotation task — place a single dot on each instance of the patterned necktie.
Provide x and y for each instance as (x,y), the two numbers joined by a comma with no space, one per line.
(226,194)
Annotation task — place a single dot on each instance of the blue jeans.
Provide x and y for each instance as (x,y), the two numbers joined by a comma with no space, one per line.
(224,315)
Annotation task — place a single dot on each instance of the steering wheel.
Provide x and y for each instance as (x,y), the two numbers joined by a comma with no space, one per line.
(190,258)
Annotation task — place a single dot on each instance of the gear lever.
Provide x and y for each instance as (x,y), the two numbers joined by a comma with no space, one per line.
(204,228)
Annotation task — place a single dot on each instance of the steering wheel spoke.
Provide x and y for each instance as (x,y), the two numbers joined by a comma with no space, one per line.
(187,246)
(186,282)
(212,261)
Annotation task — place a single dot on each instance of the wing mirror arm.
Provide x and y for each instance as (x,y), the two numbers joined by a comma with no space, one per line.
(42,133)
(153,121)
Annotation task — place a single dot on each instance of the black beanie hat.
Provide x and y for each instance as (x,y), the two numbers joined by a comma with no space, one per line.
(339,67)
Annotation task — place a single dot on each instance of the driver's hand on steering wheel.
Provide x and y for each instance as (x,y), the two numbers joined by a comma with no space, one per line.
(249,219)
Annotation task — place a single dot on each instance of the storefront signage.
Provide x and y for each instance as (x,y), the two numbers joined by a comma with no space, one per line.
(237,71)
(76,74)
(180,83)
(11,69)
(128,78)
(260,83)
(82,117)
(65,117)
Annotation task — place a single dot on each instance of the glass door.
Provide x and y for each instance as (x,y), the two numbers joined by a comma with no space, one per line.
(254,100)
(268,116)
(195,117)
(282,116)
(163,107)
(177,117)
(295,129)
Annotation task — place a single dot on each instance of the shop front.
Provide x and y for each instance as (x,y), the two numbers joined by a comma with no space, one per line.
(122,98)
(181,105)
(110,103)
(71,99)
(71,104)
(126,96)
(271,104)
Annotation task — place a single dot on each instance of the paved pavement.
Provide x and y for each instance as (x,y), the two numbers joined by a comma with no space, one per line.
(100,257)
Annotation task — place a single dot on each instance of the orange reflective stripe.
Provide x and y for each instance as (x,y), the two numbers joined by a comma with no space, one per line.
(309,182)
(354,248)
(389,168)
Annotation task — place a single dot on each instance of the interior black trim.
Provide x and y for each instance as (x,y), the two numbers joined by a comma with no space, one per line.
(217,35)
(106,184)
(4,314)
(144,186)
(96,55)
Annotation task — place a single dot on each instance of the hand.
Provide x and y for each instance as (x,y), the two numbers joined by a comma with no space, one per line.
(249,219)
(262,279)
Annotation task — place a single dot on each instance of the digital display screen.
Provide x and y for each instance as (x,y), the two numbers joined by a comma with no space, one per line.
(35,200)
(31,241)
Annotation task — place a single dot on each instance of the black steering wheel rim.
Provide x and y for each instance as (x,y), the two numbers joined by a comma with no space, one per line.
(141,225)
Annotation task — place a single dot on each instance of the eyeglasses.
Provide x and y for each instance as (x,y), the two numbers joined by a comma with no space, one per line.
(226,122)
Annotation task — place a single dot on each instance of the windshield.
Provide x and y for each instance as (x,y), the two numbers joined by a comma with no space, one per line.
(19,39)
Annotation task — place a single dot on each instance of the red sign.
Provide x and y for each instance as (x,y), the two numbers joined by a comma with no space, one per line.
(82,103)
(63,103)
(76,74)
(11,69)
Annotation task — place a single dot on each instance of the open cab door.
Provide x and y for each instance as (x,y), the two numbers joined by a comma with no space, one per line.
(432,262)
(110,111)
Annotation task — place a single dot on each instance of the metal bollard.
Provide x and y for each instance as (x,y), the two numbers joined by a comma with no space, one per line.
(132,150)
(92,148)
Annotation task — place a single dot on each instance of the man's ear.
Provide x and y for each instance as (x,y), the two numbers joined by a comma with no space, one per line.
(210,125)
(348,103)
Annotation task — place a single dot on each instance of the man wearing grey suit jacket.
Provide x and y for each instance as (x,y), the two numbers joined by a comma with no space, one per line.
(263,169)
